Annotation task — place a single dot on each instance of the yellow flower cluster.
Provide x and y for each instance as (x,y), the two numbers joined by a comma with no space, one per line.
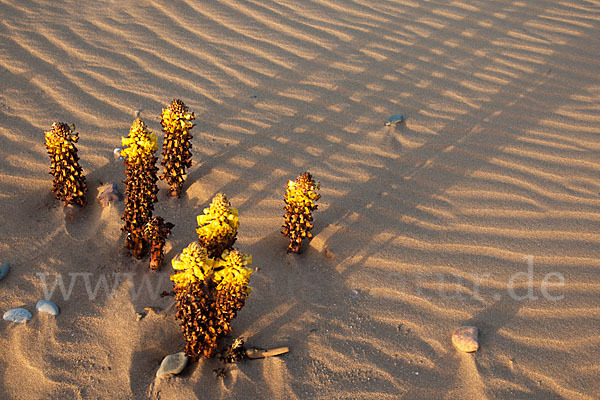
(140,144)
(233,270)
(217,227)
(302,193)
(60,140)
(176,119)
(194,264)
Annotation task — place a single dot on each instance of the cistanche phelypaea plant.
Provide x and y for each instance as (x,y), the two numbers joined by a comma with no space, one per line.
(69,182)
(300,201)
(208,294)
(138,151)
(176,121)
(212,283)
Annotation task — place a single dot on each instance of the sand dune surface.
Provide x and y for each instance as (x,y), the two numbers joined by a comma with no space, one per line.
(481,208)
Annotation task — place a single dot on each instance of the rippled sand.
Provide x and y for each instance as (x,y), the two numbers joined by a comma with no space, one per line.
(494,172)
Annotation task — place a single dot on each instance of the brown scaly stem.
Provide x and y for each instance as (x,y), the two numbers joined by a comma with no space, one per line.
(196,315)
(156,233)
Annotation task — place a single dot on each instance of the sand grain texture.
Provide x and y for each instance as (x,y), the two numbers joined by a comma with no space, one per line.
(495,166)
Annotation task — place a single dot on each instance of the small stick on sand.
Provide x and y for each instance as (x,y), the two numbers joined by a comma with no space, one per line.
(254,353)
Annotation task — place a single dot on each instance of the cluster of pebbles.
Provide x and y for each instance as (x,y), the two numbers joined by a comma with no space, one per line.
(22,315)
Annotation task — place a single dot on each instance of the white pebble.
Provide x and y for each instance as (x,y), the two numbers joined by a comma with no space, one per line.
(18,315)
(172,364)
(46,306)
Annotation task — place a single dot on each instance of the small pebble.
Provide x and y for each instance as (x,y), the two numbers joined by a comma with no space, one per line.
(4,270)
(172,364)
(403,329)
(465,339)
(109,193)
(117,154)
(46,306)
(18,315)
(394,119)
(137,113)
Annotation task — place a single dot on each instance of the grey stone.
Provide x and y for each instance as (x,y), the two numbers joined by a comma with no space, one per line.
(465,339)
(394,119)
(172,364)
(4,270)
(18,315)
(46,306)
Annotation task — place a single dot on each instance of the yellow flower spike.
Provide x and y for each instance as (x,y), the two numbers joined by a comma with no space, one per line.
(194,264)
(140,144)
(69,181)
(176,121)
(217,227)
(139,148)
(300,199)
(232,270)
